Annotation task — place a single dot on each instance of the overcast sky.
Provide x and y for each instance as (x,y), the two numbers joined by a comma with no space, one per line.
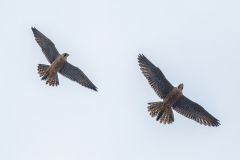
(193,42)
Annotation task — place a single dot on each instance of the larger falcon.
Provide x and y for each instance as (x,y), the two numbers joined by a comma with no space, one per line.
(173,98)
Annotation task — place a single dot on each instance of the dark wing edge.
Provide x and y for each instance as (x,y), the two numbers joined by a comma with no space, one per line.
(75,74)
(195,112)
(47,46)
(155,77)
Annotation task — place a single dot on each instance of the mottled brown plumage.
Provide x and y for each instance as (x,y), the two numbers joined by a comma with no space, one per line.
(58,64)
(173,98)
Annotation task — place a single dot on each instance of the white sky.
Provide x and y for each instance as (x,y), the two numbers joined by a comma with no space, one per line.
(193,42)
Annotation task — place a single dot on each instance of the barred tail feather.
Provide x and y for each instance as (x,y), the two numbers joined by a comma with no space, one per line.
(154,108)
(163,113)
(42,69)
(53,80)
(167,116)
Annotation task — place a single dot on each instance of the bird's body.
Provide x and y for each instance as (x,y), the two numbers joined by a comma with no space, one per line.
(59,64)
(173,98)
(50,72)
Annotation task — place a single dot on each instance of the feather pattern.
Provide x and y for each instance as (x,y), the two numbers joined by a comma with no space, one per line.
(53,80)
(46,45)
(42,69)
(154,76)
(164,114)
(154,108)
(195,112)
(167,117)
(75,74)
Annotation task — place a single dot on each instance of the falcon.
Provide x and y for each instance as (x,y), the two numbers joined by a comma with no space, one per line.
(173,98)
(59,64)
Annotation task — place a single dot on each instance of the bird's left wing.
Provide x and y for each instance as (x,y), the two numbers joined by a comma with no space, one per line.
(194,111)
(154,76)
(75,74)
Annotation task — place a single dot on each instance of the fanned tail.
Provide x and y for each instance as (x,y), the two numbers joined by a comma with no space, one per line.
(163,113)
(53,80)
(42,69)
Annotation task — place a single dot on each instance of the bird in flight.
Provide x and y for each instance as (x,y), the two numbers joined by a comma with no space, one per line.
(173,98)
(59,64)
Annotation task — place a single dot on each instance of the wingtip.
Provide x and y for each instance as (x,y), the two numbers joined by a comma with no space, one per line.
(140,55)
(33,29)
(217,124)
(141,58)
(95,89)
(213,123)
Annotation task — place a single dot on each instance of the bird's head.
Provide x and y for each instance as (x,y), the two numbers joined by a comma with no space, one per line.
(180,86)
(65,55)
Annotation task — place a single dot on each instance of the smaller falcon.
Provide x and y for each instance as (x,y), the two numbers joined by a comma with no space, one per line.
(59,64)
(173,98)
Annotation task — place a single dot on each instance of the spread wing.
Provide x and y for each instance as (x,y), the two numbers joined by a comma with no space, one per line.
(46,44)
(154,76)
(75,74)
(194,111)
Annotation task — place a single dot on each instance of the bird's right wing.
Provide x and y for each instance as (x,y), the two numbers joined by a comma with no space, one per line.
(46,44)
(75,74)
(194,111)
(154,76)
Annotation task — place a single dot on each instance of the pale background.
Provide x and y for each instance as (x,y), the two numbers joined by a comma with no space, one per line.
(193,42)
